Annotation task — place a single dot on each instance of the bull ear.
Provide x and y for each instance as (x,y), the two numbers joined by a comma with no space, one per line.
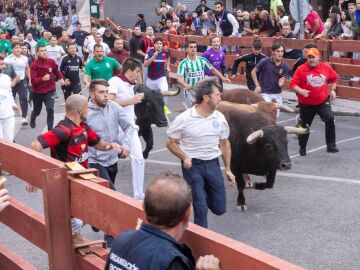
(253,137)
(297,131)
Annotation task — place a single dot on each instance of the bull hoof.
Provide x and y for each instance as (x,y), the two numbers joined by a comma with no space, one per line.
(241,208)
(145,154)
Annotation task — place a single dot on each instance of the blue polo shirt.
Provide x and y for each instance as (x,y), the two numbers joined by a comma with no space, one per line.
(270,73)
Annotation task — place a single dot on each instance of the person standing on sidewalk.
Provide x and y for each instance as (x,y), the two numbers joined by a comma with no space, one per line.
(135,42)
(198,137)
(70,67)
(21,67)
(311,84)
(121,90)
(42,72)
(7,106)
(191,70)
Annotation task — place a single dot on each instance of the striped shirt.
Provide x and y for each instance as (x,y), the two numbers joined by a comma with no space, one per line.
(193,71)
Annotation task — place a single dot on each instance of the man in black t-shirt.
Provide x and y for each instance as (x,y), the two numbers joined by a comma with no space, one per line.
(70,66)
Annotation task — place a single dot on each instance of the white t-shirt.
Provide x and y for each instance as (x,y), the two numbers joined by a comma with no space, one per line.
(19,64)
(199,136)
(32,44)
(123,91)
(55,53)
(91,49)
(6,97)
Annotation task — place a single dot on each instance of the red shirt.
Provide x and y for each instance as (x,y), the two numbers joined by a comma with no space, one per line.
(316,80)
(69,142)
(119,55)
(38,69)
(145,44)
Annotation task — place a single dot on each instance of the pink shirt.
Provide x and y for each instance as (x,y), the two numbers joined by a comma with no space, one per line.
(311,17)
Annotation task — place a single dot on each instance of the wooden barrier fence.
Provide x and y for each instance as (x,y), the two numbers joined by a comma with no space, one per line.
(66,196)
(345,67)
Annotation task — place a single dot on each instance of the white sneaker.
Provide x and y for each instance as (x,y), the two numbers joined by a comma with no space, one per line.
(24,122)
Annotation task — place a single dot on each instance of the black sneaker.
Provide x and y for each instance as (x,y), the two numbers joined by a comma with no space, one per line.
(32,123)
(302,151)
(332,149)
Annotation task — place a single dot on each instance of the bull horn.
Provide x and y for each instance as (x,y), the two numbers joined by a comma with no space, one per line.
(253,137)
(171,93)
(297,130)
(284,108)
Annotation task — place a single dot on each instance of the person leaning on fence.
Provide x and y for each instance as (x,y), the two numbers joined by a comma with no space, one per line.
(155,245)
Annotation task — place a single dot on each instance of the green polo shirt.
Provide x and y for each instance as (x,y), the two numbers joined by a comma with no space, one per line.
(5,46)
(43,42)
(101,70)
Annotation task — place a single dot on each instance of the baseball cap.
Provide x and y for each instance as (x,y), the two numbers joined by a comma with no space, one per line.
(312,52)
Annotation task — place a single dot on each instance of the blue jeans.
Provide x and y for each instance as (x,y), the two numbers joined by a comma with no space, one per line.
(208,189)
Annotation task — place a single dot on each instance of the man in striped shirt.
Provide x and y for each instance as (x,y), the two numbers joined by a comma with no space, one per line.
(191,70)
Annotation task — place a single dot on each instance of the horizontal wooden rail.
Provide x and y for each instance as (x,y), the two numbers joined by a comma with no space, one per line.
(9,260)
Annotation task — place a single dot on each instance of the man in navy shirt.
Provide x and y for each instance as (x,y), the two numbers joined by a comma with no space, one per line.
(79,35)
(167,207)
(273,72)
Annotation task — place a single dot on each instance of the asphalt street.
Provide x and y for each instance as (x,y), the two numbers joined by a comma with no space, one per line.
(309,218)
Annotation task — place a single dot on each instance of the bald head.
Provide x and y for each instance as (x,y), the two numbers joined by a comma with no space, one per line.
(167,199)
(74,103)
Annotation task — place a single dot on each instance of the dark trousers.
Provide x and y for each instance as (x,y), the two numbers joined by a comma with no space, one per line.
(108,173)
(71,89)
(48,100)
(307,114)
(208,189)
(21,89)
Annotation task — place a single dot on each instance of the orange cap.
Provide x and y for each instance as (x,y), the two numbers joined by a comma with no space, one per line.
(312,52)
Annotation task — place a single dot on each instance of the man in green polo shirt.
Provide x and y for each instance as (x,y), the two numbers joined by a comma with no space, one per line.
(101,66)
(5,45)
(45,40)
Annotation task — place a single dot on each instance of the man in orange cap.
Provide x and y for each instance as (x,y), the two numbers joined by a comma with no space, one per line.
(310,83)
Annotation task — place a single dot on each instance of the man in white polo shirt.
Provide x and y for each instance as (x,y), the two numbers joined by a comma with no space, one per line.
(195,137)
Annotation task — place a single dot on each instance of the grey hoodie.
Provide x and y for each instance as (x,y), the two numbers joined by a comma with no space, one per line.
(108,122)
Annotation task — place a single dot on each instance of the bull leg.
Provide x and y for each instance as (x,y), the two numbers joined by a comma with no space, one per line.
(248,182)
(241,204)
(270,180)
(146,132)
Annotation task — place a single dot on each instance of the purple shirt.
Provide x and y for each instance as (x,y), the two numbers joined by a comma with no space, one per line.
(216,58)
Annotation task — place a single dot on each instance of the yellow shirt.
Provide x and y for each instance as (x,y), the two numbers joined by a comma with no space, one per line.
(274,4)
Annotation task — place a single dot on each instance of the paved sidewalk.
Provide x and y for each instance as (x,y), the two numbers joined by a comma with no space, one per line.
(342,107)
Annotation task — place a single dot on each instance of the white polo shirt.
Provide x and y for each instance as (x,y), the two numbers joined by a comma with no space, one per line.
(199,136)
(6,97)
(123,90)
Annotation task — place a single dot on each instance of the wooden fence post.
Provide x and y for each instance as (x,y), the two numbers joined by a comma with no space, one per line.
(56,194)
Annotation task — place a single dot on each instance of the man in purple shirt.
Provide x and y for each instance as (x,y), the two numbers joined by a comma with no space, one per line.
(216,56)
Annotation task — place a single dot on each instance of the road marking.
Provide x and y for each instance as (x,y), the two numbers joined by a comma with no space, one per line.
(158,151)
(261,214)
(284,121)
(324,146)
(283,174)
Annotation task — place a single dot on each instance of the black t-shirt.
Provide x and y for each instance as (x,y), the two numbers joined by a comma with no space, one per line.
(70,67)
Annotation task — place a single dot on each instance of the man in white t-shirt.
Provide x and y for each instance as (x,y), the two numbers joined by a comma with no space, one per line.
(198,137)
(121,90)
(54,51)
(29,39)
(97,40)
(7,106)
(20,64)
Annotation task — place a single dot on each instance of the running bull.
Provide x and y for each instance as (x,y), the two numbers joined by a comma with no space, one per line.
(150,111)
(258,145)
